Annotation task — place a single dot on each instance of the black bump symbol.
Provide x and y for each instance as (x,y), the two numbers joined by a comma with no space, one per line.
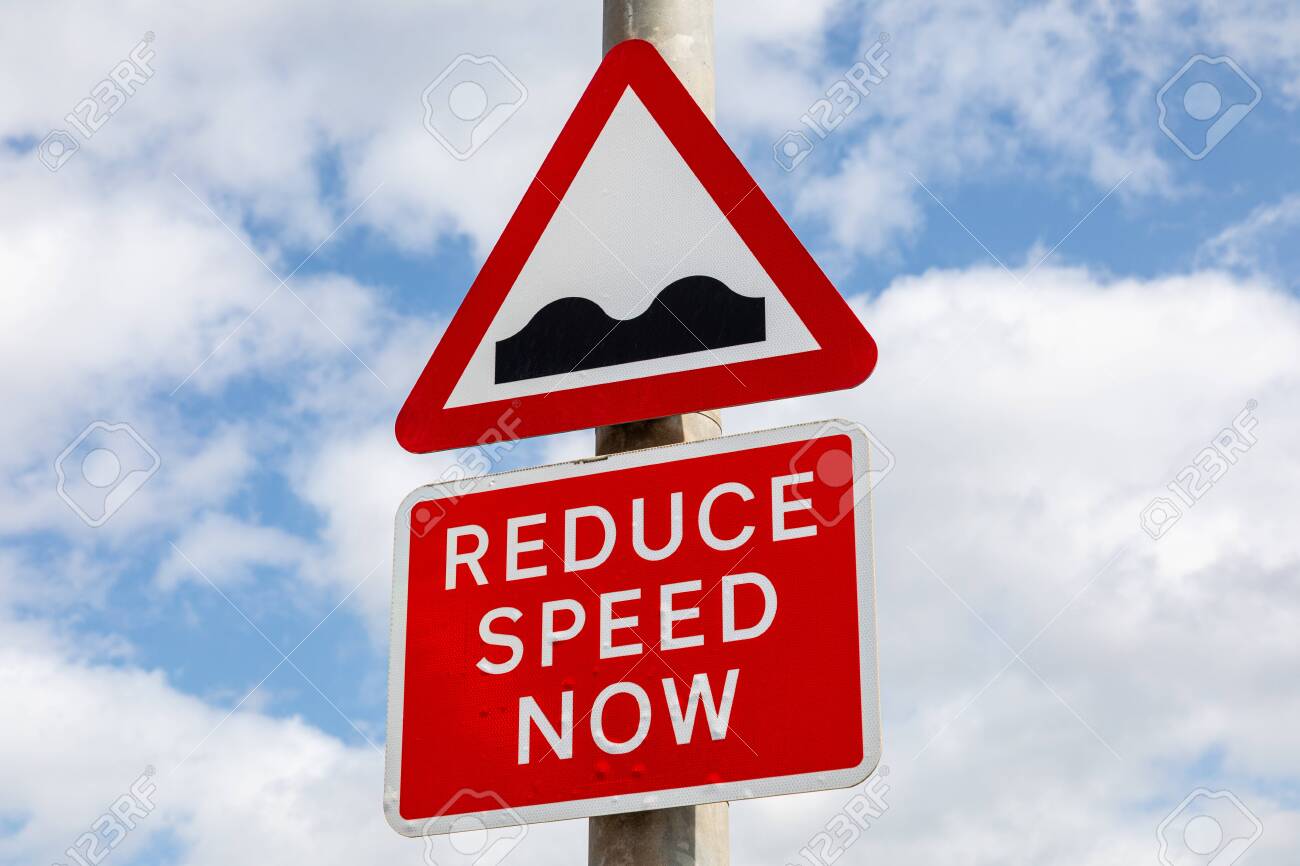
(693,314)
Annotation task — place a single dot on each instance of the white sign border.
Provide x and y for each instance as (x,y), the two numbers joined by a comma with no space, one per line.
(868,657)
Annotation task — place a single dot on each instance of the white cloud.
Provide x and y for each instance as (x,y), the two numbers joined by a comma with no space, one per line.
(1254,243)
(1264,37)
(975,92)
(356,482)
(1008,92)
(243,106)
(245,110)
(218,545)
(197,469)
(141,308)
(228,790)
(868,203)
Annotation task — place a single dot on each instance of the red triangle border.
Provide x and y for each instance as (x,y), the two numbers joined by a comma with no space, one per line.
(846,356)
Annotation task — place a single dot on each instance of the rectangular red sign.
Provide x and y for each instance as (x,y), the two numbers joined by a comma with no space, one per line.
(674,626)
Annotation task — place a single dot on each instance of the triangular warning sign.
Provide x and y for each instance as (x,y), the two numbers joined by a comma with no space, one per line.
(643,274)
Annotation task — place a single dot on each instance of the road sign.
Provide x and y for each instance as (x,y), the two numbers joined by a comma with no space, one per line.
(667,627)
(643,274)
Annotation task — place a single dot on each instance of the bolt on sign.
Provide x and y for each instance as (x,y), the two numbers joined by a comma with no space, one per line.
(666,627)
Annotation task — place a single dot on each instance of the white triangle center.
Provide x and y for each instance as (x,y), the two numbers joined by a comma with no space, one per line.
(634,220)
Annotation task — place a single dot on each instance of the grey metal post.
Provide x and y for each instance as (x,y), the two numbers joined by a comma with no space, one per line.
(682,30)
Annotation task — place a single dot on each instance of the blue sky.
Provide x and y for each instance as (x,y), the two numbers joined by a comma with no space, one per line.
(1032,421)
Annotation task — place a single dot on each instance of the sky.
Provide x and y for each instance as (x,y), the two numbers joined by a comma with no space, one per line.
(228,266)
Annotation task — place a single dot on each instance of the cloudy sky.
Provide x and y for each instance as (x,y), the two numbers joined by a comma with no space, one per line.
(248,259)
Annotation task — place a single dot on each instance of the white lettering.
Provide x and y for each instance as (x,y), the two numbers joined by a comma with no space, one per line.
(782,506)
(668,615)
(610,623)
(492,638)
(571,561)
(729,584)
(706,513)
(643,550)
(718,716)
(560,742)
(455,558)
(607,745)
(514,547)
(550,637)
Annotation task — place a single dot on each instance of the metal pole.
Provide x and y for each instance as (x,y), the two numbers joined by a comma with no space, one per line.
(682,30)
